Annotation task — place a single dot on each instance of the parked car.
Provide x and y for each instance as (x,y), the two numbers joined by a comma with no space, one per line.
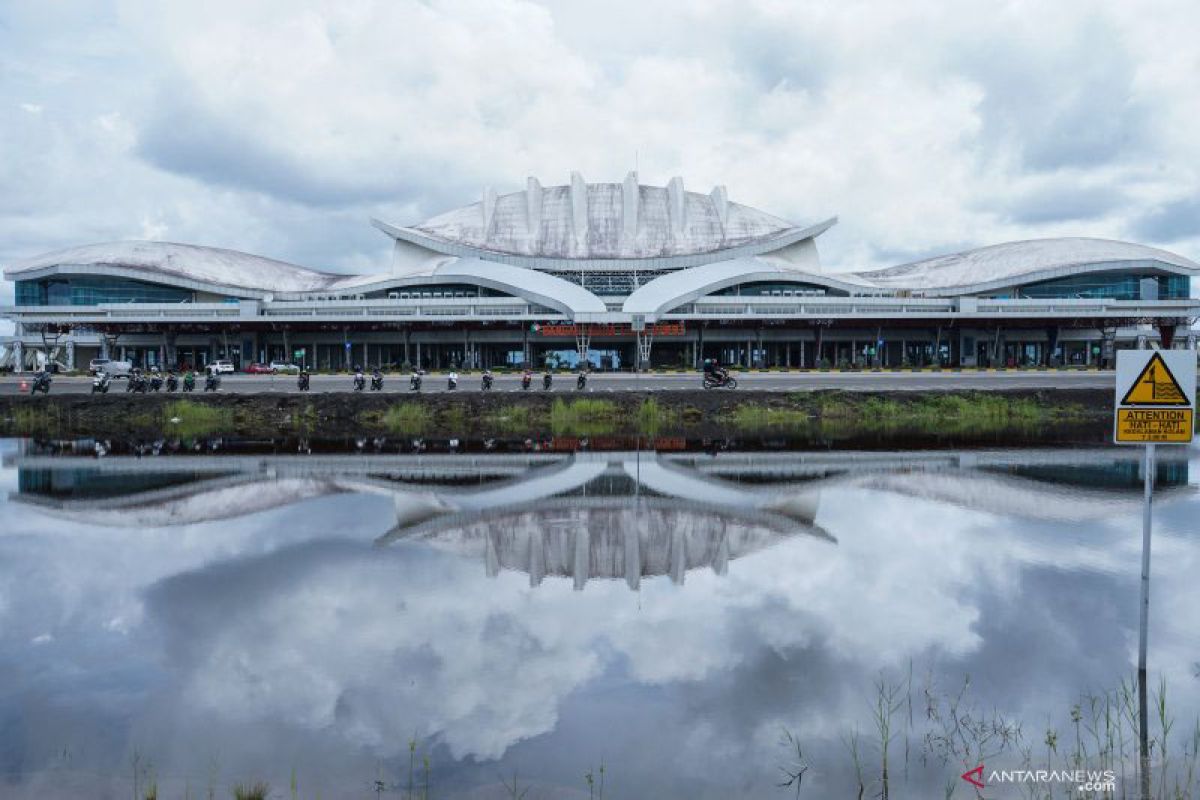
(115,369)
(283,366)
(259,369)
(220,367)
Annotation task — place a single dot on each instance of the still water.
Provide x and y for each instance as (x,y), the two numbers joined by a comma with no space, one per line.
(364,620)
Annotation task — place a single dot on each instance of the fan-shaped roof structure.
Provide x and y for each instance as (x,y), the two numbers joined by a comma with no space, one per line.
(606,223)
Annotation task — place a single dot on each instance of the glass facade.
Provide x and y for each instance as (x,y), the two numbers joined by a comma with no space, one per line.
(435,292)
(615,283)
(1121,286)
(778,289)
(87,291)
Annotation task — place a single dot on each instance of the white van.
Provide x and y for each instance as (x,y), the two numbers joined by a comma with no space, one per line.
(115,369)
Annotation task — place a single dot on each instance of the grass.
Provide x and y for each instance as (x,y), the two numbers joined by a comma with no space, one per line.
(586,416)
(41,419)
(407,418)
(509,418)
(187,418)
(254,791)
(840,412)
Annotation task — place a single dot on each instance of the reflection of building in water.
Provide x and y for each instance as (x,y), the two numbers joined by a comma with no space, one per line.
(590,515)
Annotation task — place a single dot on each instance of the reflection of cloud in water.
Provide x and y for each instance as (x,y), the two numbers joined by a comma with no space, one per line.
(265,623)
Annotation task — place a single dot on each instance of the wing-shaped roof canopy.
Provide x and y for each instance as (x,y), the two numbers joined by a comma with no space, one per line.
(1003,265)
(204,267)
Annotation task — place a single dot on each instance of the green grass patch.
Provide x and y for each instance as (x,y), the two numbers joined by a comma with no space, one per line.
(407,418)
(34,419)
(511,418)
(750,416)
(652,416)
(186,418)
(585,417)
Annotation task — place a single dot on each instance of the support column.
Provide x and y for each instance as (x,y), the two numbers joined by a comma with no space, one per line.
(71,355)
(18,350)
(172,354)
(1166,335)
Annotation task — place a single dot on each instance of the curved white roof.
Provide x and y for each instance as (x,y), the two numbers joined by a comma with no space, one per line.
(677,288)
(608,222)
(1031,260)
(210,266)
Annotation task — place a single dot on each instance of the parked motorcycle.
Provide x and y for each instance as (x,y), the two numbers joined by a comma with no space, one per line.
(101,382)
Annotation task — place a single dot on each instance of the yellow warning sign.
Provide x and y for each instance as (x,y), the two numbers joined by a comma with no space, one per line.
(1154,425)
(1155,386)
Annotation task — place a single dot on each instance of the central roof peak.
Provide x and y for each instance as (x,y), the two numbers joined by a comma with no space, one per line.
(599,221)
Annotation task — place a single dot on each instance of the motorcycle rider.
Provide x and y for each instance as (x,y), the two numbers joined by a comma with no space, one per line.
(100,382)
(156,380)
(189,381)
(452,381)
(359,379)
(41,383)
(581,381)
(212,381)
(302,379)
(487,380)
(172,380)
(547,379)
(526,378)
(376,380)
(414,381)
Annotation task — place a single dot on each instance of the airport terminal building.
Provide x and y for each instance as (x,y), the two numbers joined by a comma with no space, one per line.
(622,274)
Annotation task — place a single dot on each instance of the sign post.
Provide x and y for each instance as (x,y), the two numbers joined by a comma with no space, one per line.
(1155,404)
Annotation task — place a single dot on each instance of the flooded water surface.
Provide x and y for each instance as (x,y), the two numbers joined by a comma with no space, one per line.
(675,619)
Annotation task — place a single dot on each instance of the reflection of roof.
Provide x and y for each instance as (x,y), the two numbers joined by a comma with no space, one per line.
(1037,259)
(609,537)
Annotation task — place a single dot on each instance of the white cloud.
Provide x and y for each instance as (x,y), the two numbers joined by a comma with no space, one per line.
(278,127)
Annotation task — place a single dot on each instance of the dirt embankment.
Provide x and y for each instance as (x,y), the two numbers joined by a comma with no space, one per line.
(825,417)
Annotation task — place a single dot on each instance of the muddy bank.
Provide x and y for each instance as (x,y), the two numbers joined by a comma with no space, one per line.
(862,419)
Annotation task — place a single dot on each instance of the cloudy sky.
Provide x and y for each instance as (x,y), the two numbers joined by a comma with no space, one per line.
(278,127)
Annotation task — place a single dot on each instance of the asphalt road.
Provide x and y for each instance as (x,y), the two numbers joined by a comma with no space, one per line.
(610,382)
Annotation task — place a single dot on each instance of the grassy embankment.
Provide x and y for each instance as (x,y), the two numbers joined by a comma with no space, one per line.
(973,412)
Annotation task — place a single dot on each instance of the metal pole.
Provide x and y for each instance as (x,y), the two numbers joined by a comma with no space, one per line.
(1143,711)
